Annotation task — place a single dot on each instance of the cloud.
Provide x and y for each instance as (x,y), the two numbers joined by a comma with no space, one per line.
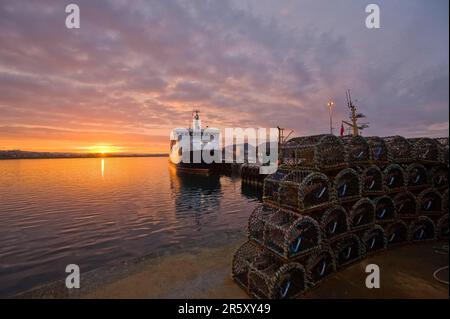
(140,67)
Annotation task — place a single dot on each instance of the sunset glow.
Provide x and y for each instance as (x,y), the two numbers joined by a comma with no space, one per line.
(134,71)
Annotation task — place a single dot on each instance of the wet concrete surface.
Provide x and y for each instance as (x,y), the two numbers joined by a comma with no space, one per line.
(405,272)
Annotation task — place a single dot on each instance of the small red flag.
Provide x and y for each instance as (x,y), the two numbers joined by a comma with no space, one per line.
(342,129)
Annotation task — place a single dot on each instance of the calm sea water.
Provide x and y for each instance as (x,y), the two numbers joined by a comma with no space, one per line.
(95,212)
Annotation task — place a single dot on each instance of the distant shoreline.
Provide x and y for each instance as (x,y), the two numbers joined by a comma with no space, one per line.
(72,156)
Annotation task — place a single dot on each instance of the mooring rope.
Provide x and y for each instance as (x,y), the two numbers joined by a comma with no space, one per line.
(440,250)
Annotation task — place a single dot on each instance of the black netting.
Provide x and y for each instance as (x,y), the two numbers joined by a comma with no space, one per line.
(347,185)
(272,185)
(320,265)
(429,202)
(396,233)
(378,150)
(284,233)
(439,177)
(372,182)
(425,150)
(314,192)
(422,229)
(362,214)
(416,176)
(384,208)
(394,178)
(400,150)
(330,204)
(357,149)
(442,227)
(316,152)
(406,204)
(348,250)
(264,276)
(374,239)
(334,222)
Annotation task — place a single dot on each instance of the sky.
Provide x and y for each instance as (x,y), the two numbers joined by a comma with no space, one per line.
(135,69)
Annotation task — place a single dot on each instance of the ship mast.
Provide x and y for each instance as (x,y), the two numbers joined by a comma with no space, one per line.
(196,124)
(354,116)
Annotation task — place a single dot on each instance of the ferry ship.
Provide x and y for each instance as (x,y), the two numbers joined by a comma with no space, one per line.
(188,144)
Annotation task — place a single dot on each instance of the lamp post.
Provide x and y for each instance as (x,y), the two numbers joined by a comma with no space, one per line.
(330,105)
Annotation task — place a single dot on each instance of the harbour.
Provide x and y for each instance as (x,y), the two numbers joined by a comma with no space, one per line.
(238,149)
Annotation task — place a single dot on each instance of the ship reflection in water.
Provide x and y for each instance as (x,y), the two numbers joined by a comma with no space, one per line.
(196,195)
(97,212)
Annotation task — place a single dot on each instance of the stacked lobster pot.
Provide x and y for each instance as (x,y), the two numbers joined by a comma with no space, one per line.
(333,201)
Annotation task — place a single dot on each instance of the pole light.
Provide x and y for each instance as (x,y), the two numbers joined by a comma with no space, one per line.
(330,105)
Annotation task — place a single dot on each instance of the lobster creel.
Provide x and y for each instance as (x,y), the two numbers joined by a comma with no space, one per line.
(378,150)
(348,250)
(429,202)
(372,182)
(305,191)
(347,186)
(422,229)
(442,227)
(416,177)
(318,152)
(439,177)
(362,214)
(334,222)
(374,239)
(384,209)
(264,276)
(320,265)
(396,233)
(405,204)
(286,234)
(272,185)
(399,149)
(394,178)
(445,201)
(357,148)
(425,150)
(443,149)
